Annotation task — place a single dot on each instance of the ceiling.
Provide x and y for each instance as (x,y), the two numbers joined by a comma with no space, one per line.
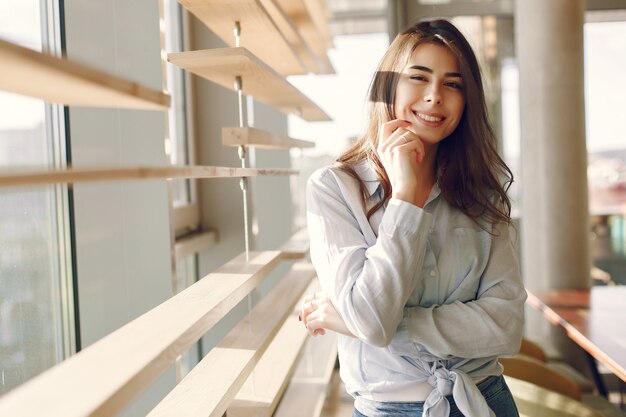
(370,16)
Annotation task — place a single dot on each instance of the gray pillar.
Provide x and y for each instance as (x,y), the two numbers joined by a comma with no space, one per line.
(555,213)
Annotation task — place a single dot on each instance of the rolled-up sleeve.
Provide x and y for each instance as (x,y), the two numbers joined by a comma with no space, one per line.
(368,282)
(490,325)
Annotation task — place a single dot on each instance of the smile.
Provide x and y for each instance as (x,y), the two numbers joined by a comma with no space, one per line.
(428,118)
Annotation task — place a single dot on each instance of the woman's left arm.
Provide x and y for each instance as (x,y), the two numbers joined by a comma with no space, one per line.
(490,325)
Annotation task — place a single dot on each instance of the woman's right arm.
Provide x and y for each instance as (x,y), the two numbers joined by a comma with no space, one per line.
(368,285)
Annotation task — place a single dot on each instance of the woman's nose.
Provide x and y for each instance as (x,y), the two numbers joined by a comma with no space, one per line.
(432,95)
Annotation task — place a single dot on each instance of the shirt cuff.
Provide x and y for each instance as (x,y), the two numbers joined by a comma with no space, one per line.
(400,214)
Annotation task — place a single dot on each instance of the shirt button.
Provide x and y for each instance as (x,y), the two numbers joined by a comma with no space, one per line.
(433,273)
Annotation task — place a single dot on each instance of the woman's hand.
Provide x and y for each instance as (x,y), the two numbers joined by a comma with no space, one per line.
(400,151)
(318,315)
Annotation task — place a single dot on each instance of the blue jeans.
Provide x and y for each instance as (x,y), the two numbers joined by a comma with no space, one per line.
(494,389)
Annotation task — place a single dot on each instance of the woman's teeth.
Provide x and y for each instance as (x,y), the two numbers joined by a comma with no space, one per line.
(429,118)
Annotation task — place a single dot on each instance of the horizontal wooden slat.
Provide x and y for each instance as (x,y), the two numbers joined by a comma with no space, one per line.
(56,80)
(299,14)
(317,363)
(318,9)
(293,35)
(260,394)
(74,175)
(107,375)
(307,390)
(194,243)
(259,33)
(249,136)
(297,247)
(211,385)
(222,65)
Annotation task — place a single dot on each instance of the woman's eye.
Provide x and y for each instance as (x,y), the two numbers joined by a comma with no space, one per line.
(418,77)
(454,85)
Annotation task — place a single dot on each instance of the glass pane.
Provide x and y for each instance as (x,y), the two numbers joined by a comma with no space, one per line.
(605,43)
(509,80)
(32,323)
(177,144)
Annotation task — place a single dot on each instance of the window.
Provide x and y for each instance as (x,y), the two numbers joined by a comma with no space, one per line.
(605,42)
(36,297)
(179,143)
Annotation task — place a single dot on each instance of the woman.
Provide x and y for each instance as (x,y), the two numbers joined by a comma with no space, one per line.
(410,239)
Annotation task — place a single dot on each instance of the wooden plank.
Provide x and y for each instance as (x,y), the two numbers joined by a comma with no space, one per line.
(533,401)
(260,394)
(212,384)
(307,390)
(74,175)
(57,80)
(293,35)
(297,247)
(103,378)
(300,15)
(194,243)
(318,361)
(259,33)
(222,65)
(318,9)
(249,136)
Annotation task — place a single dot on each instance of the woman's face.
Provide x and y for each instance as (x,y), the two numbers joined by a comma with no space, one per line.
(430,93)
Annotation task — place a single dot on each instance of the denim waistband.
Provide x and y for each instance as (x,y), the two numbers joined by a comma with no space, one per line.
(488,387)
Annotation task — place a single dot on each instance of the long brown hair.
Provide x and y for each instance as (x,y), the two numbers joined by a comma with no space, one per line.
(470,173)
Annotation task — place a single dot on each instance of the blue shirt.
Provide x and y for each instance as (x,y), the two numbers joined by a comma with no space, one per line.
(430,296)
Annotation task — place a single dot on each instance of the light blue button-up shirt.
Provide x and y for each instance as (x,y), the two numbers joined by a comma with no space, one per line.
(430,296)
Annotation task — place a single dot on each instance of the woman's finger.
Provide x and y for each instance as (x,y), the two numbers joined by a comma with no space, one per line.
(306,309)
(386,142)
(315,325)
(389,127)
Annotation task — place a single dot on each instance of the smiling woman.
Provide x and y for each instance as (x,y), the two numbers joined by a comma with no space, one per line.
(410,239)
(432,101)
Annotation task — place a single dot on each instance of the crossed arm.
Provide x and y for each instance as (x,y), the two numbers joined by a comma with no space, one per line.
(367,287)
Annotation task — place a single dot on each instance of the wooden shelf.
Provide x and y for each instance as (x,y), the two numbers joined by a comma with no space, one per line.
(213,383)
(259,33)
(318,10)
(260,394)
(308,388)
(107,375)
(249,136)
(297,247)
(194,243)
(133,173)
(301,47)
(222,65)
(300,14)
(56,80)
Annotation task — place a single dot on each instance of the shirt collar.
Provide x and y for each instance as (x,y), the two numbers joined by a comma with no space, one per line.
(366,172)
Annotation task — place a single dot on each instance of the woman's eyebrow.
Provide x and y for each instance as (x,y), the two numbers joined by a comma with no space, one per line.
(430,71)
